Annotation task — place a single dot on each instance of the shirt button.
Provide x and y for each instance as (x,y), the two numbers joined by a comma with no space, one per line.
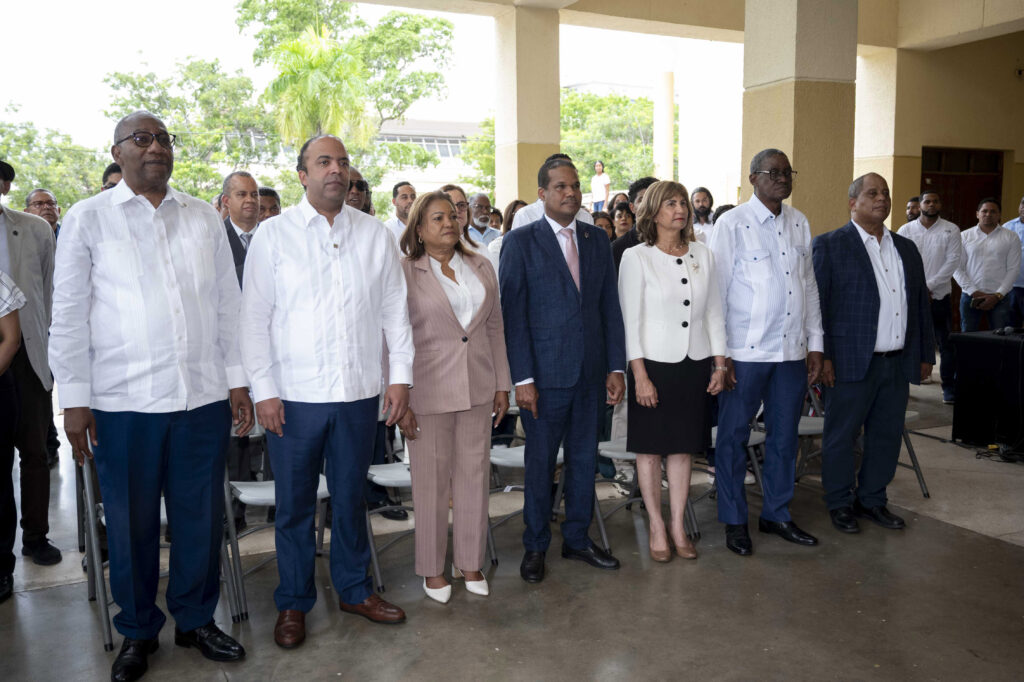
(686,302)
(684,280)
(465,339)
(685,323)
(679,261)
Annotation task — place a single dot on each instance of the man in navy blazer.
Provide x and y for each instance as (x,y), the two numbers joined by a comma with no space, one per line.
(566,350)
(878,340)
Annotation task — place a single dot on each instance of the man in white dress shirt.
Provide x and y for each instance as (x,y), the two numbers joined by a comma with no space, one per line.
(989,267)
(241,196)
(144,346)
(938,241)
(323,287)
(402,196)
(1017,295)
(773,326)
(703,204)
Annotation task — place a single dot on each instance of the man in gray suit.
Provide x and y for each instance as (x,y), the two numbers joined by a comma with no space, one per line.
(26,252)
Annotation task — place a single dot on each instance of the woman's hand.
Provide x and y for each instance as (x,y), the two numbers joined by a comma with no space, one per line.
(717,383)
(646,394)
(407,425)
(500,406)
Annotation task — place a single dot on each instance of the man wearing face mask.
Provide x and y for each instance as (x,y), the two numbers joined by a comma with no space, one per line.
(480,220)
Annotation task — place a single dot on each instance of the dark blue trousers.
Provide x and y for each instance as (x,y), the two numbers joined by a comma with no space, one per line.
(181,455)
(567,417)
(877,404)
(343,434)
(942,323)
(782,386)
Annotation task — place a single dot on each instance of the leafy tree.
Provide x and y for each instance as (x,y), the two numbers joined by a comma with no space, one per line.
(478,152)
(280,21)
(48,158)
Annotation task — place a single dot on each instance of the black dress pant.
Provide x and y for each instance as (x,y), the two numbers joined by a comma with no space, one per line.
(30,439)
(8,511)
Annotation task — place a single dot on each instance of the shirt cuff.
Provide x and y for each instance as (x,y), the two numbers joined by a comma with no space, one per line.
(816,343)
(524,382)
(618,371)
(236,376)
(264,389)
(399,374)
(74,395)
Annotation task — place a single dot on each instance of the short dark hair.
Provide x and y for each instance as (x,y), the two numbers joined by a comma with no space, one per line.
(762,156)
(990,200)
(623,206)
(410,244)
(270,192)
(637,185)
(234,174)
(915,199)
(6,172)
(217,200)
(926,192)
(110,170)
(544,174)
(301,164)
(705,190)
(724,208)
(558,155)
(398,186)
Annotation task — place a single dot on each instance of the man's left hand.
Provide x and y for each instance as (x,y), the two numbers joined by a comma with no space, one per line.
(396,399)
(990,301)
(815,362)
(926,370)
(242,415)
(616,387)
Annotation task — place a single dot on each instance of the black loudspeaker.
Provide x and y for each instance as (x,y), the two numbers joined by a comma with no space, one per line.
(989,388)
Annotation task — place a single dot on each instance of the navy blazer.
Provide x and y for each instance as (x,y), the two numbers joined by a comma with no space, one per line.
(850,303)
(555,333)
(237,250)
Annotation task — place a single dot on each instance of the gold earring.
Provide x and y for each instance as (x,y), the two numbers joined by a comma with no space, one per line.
(419,239)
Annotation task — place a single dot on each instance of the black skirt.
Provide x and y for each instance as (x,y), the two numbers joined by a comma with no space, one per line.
(681,422)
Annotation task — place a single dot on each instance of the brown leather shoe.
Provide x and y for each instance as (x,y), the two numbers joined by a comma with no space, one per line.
(686,551)
(290,630)
(376,609)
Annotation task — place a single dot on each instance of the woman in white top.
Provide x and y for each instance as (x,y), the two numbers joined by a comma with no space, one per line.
(600,185)
(675,344)
(460,378)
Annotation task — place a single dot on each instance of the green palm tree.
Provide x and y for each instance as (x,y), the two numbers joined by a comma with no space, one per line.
(320,88)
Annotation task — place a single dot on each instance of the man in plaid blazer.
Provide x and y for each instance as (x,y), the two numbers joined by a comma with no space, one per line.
(878,340)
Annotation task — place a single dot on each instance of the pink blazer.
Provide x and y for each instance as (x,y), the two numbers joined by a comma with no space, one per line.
(454,368)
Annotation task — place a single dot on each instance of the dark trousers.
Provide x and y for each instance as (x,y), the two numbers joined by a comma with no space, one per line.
(877,404)
(30,439)
(567,417)
(9,409)
(377,494)
(179,454)
(782,386)
(1016,306)
(942,323)
(970,318)
(343,434)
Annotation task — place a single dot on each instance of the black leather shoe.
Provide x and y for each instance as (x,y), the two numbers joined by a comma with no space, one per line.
(211,641)
(532,568)
(843,520)
(787,530)
(132,661)
(738,539)
(42,553)
(593,555)
(6,587)
(393,514)
(880,515)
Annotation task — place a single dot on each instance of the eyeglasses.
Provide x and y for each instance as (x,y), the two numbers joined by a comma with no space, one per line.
(462,205)
(775,173)
(485,207)
(144,139)
(360,185)
(43,204)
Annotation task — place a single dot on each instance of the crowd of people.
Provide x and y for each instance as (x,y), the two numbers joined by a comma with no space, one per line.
(171,325)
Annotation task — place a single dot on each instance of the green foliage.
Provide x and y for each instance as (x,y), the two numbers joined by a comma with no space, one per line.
(48,158)
(478,152)
(215,115)
(280,21)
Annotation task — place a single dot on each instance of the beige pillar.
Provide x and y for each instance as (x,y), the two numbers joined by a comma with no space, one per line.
(664,126)
(799,70)
(526,124)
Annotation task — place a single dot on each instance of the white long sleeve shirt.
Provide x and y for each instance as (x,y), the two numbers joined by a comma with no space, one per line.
(766,279)
(892,290)
(145,305)
(940,248)
(991,262)
(316,298)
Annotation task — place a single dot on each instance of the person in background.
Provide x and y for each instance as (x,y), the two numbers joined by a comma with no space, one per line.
(618,198)
(479,228)
(459,392)
(510,214)
(703,223)
(111,176)
(1017,295)
(270,203)
(496,219)
(988,268)
(604,221)
(358,192)
(458,197)
(913,208)
(623,219)
(720,211)
(402,196)
(600,185)
(630,238)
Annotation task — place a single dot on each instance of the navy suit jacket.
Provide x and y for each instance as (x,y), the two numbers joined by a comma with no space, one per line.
(555,333)
(237,250)
(850,303)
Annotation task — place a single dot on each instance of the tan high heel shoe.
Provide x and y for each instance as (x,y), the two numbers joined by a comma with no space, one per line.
(686,550)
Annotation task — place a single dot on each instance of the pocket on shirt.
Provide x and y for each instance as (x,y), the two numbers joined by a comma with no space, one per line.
(757,264)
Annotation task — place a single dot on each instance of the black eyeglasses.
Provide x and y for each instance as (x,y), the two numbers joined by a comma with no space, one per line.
(144,139)
(775,173)
(360,185)
(41,204)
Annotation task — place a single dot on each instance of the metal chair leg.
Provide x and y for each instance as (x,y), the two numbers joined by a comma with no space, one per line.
(322,527)
(916,465)
(95,558)
(234,559)
(692,515)
(80,508)
(374,563)
(756,466)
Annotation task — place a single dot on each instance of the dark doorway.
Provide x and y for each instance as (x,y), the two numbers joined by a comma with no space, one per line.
(962,177)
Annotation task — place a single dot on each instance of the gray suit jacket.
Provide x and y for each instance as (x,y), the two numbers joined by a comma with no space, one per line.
(31,244)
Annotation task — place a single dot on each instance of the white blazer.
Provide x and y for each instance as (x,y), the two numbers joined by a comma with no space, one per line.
(671,306)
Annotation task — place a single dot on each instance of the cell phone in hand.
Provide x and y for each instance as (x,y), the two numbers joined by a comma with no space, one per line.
(976,302)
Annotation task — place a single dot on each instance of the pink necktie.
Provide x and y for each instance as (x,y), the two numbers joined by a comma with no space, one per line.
(572,256)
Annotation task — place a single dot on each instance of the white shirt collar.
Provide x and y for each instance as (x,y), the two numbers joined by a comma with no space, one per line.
(865,236)
(762,212)
(310,214)
(558,228)
(122,193)
(239,231)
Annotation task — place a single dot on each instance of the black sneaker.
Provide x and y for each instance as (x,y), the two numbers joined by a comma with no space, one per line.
(42,553)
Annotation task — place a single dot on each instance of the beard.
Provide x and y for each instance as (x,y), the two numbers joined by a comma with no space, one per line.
(702,212)
(482,223)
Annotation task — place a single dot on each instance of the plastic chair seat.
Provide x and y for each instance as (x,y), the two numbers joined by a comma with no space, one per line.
(394,475)
(261,493)
(515,457)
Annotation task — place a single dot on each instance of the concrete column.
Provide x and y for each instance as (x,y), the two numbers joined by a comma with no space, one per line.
(799,71)
(526,124)
(664,126)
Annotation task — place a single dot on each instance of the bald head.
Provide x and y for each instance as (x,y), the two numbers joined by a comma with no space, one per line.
(127,125)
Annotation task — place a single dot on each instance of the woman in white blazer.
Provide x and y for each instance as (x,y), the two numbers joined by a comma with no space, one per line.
(675,344)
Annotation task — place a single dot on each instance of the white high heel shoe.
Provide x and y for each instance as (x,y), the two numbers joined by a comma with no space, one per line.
(440,594)
(475,586)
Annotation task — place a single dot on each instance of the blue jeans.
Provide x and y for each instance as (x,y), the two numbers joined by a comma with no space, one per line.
(598,205)
(970,318)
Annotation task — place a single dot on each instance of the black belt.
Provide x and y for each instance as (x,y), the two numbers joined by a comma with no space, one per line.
(889,353)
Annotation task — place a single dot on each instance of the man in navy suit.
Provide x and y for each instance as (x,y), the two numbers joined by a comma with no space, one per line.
(878,340)
(566,350)
(241,197)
